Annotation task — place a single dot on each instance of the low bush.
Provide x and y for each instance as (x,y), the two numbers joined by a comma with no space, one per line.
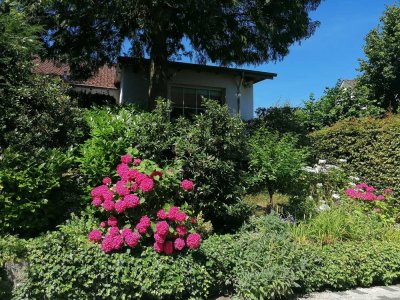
(371,147)
(348,265)
(65,265)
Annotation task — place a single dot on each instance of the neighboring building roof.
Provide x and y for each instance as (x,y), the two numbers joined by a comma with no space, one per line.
(249,75)
(105,77)
(348,84)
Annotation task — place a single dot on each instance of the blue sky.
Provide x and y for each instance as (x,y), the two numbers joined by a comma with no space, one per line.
(332,53)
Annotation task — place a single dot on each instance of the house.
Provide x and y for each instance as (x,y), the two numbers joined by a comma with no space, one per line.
(188,84)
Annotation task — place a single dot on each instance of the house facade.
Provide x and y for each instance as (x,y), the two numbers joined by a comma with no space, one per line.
(188,85)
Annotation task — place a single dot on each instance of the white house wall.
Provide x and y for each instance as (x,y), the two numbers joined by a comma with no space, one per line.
(135,86)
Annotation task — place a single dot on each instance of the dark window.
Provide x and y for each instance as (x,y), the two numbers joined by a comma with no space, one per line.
(188,101)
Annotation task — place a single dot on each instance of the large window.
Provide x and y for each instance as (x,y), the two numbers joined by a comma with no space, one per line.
(188,101)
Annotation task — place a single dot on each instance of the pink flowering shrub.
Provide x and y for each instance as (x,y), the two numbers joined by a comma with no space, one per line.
(371,200)
(136,211)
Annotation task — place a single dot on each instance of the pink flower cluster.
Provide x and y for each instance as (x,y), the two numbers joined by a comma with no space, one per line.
(167,238)
(171,231)
(366,192)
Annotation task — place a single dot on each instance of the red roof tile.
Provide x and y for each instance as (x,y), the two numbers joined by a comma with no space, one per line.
(104,78)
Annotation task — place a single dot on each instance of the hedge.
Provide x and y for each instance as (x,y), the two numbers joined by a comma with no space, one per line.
(371,147)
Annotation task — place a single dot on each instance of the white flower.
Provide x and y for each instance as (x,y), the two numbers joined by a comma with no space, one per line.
(319,184)
(324,207)
(322,161)
(352,184)
(342,160)
(355,178)
(336,196)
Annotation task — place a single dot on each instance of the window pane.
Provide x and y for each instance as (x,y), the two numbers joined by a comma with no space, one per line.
(201,95)
(216,95)
(177,96)
(190,98)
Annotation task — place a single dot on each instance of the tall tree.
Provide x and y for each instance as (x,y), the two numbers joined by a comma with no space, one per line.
(381,68)
(87,33)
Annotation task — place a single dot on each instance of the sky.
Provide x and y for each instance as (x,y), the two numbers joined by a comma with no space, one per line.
(332,53)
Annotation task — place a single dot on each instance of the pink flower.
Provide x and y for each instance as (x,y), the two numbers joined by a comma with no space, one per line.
(108,195)
(380,198)
(158,247)
(107,180)
(132,174)
(193,240)
(113,231)
(112,221)
(137,161)
(117,242)
(98,191)
(107,244)
(179,244)
(126,231)
(187,185)
(95,235)
(377,210)
(388,191)
(108,205)
(370,189)
(162,228)
(143,224)
(181,217)
(103,224)
(159,238)
(140,177)
(97,201)
(168,248)
(134,187)
(132,239)
(193,220)
(126,159)
(131,201)
(181,230)
(121,188)
(368,196)
(161,214)
(146,185)
(173,212)
(120,206)
(123,171)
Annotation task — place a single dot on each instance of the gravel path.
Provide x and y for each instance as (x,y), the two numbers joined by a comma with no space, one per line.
(374,293)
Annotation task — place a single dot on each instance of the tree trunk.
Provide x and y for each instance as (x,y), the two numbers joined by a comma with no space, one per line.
(271,200)
(158,70)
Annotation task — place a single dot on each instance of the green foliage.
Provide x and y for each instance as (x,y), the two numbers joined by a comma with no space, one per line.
(349,265)
(339,103)
(210,148)
(36,191)
(283,119)
(381,68)
(339,223)
(64,265)
(40,114)
(369,145)
(276,161)
(18,42)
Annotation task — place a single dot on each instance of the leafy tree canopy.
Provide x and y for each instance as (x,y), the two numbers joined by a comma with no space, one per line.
(87,34)
(381,68)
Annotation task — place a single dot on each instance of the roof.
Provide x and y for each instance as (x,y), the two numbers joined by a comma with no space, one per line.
(249,75)
(105,77)
(348,84)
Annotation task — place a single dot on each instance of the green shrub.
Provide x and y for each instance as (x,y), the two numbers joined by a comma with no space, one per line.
(211,149)
(371,147)
(348,265)
(36,191)
(64,265)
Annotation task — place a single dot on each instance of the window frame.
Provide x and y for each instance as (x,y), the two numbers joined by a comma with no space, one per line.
(196,88)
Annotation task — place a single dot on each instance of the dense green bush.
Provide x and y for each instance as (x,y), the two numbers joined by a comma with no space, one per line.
(36,191)
(348,265)
(211,149)
(64,265)
(371,147)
